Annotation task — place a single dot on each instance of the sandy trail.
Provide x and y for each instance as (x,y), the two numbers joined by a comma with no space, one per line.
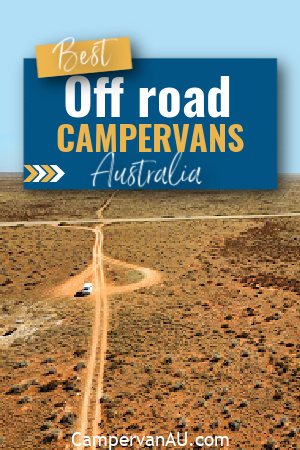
(101,220)
(97,252)
(90,417)
(91,406)
(74,284)
(102,295)
(106,204)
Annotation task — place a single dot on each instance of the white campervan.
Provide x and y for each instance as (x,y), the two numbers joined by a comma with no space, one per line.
(87,289)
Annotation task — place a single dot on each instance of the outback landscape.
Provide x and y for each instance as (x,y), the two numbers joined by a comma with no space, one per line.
(198,319)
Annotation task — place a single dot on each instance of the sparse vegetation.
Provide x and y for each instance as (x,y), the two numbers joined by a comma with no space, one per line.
(213,348)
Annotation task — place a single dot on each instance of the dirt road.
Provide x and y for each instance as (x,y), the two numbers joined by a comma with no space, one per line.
(91,407)
(90,417)
(147,219)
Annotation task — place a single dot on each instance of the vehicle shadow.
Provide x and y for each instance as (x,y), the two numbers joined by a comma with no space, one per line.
(79,294)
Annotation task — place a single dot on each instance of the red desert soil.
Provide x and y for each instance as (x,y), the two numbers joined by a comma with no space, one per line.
(212,348)
(98,347)
(75,284)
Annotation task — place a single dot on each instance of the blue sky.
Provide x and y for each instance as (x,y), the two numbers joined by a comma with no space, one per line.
(164,28)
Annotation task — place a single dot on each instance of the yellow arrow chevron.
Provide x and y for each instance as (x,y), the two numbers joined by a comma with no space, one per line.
(50,171)
(33,173)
